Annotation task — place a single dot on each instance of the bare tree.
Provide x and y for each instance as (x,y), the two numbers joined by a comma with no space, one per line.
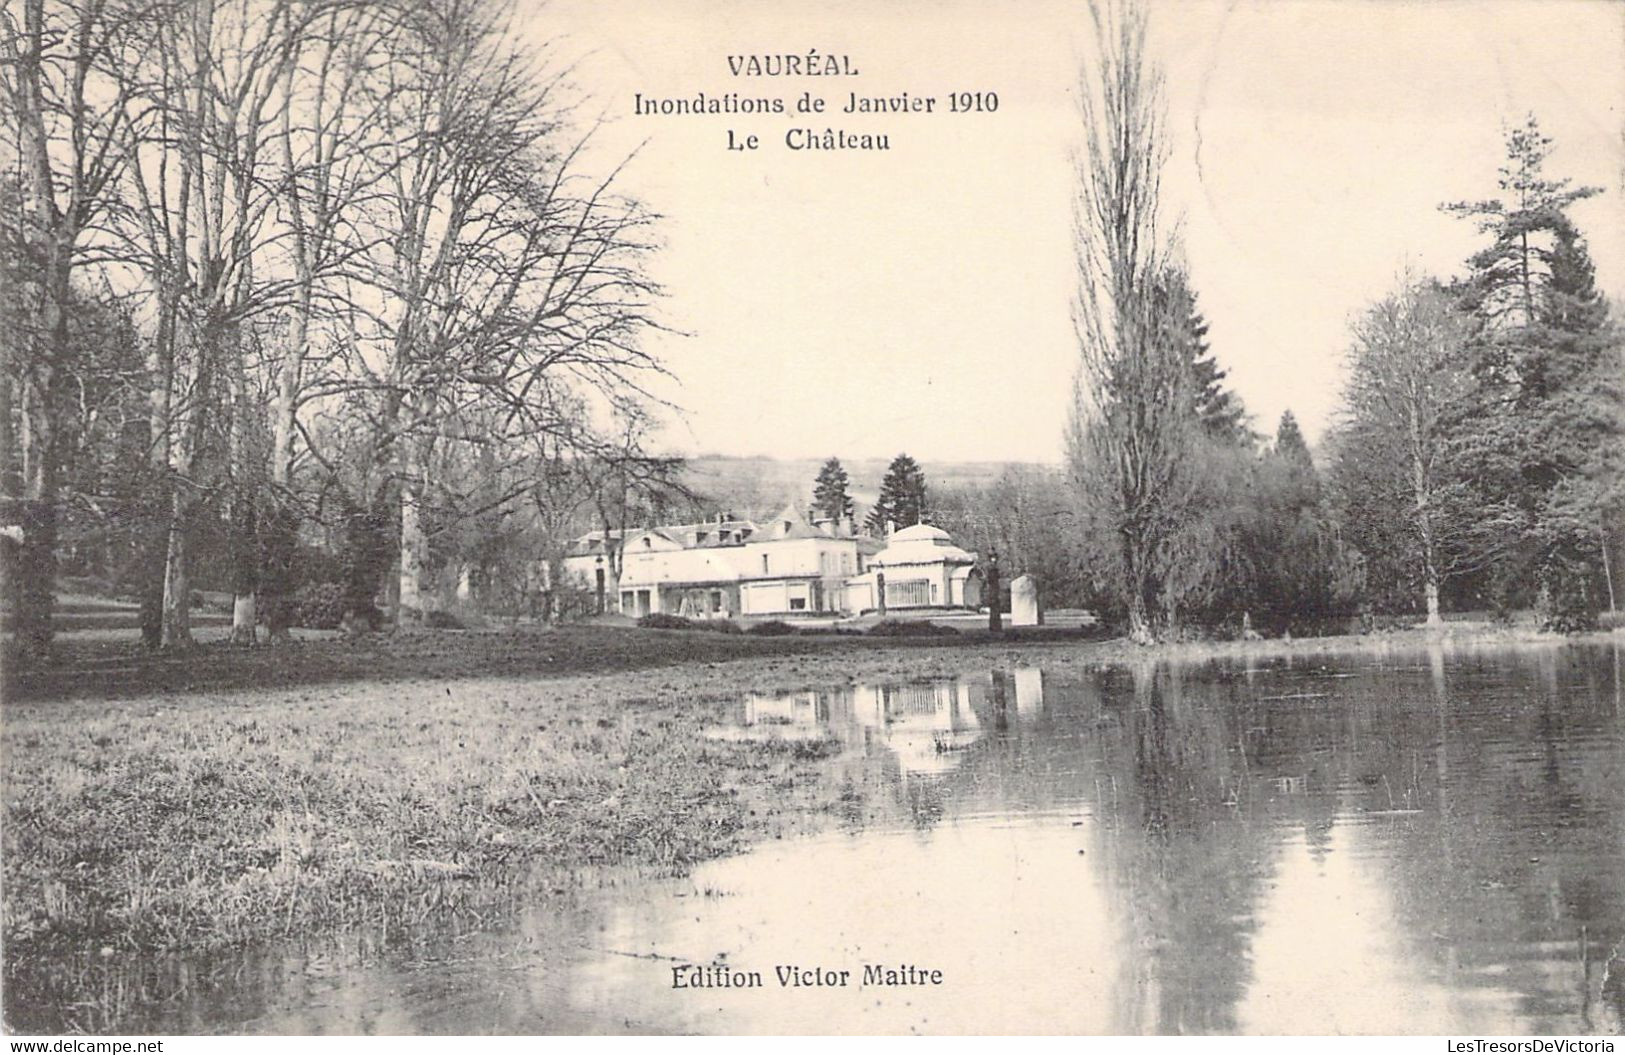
(333,160)
(627,483)
(65,89)
(1406,385)
(504,279)
(201,226)
(1131,429)
(314,211)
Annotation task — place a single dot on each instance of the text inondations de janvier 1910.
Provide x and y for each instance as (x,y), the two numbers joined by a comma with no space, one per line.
(792,102)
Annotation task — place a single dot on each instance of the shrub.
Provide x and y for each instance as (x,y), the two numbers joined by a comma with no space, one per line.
(319,606)
(1564,604)
(662,621)
(772,628)
(1611,620)
(910,628)
(1385,622)
(442,620)
(369,617)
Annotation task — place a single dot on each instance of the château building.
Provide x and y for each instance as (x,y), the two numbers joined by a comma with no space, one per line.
(792,565)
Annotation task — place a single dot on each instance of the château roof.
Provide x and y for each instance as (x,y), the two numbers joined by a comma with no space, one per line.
(789,524)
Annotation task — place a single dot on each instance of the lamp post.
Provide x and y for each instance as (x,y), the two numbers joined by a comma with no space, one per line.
(600,572)
(995,621)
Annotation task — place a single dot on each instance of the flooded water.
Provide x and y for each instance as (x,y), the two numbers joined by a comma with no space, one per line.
(1407,842)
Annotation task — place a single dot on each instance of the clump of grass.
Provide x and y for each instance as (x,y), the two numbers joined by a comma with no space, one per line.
(910,628)
(772,628)
(664,621)
(803,749)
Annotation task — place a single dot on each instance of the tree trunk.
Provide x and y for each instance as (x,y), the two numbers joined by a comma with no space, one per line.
(177,622)
(245,568)
(282,526)
(32,573)
(46,353)
(279,539)
(35,566)
(154,541)
(186,444)
(245,543)
(39,404)
(11,481)
(1422,489)
(1607,565)
(1139,620)
(11,492)
(410,606)
(244,619)
(368,534)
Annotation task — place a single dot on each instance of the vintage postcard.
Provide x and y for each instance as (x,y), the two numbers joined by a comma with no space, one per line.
(713,517)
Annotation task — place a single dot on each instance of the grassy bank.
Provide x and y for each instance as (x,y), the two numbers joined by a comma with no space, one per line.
(414,777)
(184,823)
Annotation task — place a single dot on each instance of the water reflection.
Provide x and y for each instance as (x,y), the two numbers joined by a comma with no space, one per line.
(924,725)
(1403,842)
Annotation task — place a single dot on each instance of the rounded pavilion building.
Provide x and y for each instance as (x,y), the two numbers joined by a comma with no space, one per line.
(920,567)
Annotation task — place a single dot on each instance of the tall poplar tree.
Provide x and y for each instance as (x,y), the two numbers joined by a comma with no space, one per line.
(1133,427)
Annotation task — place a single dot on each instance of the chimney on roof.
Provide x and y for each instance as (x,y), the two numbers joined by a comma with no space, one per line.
(891,526)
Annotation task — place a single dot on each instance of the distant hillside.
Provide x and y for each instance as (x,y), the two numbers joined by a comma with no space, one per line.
(760,486)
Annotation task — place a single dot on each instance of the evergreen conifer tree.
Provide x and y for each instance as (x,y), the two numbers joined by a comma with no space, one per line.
(830,498)
(902,501)
(1540,439)
(1289,442)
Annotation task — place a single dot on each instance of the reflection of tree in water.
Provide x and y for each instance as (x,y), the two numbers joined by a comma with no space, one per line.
(1516,872)
(1183,857)
(1488,793)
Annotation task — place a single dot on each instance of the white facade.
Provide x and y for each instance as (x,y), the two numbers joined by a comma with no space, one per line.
(801,573)
(729,568)
(784,567)
(919,568)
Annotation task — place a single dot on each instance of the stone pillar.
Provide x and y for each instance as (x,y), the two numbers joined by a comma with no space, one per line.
(1024,609)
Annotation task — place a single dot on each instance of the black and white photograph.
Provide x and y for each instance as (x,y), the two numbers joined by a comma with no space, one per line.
(826,517)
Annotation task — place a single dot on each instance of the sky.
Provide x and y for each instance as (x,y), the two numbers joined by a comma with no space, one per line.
(864,303)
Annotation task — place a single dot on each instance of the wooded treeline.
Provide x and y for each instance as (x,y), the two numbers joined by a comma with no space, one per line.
(1477,458)
(307,291)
